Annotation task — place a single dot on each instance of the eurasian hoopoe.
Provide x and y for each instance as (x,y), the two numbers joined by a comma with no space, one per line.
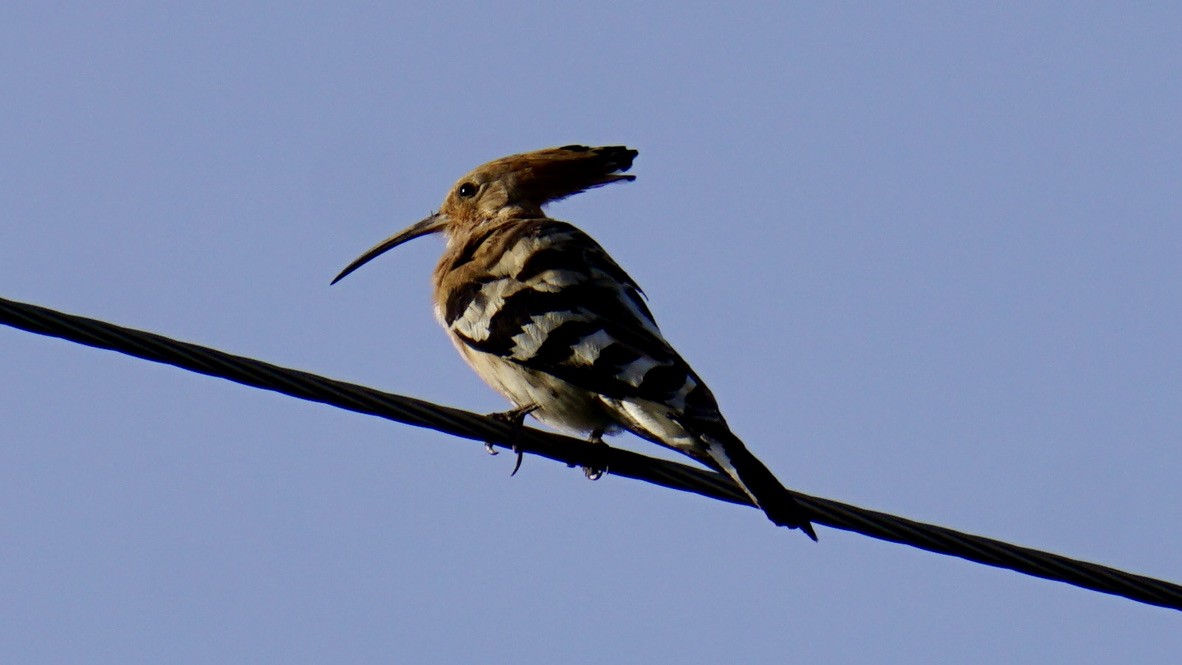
(547,318)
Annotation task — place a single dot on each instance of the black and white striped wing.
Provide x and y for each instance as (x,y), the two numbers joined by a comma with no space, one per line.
(557,303)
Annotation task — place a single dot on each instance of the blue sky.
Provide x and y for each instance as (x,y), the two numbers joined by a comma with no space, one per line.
(928,257)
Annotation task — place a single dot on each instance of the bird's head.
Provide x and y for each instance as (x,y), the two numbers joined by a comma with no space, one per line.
(511,187)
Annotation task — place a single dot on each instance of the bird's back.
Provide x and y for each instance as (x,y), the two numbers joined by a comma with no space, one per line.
(544,298)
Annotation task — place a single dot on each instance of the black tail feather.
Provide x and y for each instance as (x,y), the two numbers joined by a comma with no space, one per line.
(763,487)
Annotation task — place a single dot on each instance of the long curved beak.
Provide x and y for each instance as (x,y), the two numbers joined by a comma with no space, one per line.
(432,224)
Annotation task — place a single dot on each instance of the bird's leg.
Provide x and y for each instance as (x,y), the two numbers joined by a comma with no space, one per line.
(591,472)
(515,418)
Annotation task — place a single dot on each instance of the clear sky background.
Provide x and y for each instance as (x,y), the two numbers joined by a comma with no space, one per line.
(928,257)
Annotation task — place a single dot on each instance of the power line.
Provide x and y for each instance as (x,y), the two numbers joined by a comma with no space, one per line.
(575,452)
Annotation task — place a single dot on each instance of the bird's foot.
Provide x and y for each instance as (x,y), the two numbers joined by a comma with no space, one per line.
(515,418)
(593,473)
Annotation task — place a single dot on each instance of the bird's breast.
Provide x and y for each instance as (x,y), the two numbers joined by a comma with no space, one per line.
(558,403)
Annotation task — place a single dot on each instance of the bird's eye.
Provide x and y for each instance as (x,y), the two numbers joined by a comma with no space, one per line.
(467,190)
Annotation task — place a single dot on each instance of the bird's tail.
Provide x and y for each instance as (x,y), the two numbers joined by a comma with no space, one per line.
(758,482)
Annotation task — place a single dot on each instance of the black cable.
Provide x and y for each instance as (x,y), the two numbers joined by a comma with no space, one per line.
(581,453)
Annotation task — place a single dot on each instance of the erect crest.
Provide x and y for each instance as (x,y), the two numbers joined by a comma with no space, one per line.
(536,178)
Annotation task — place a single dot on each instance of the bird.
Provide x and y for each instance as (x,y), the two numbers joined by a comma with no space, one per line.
(547,318)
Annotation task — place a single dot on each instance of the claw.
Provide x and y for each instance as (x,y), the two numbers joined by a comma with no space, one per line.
(517,463)
(591,472)
(514,418)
